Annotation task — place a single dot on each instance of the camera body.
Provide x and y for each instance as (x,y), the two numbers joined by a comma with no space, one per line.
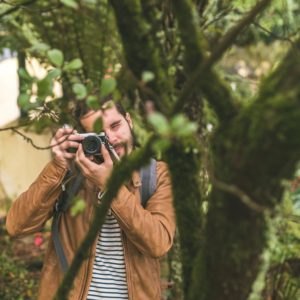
(92,143)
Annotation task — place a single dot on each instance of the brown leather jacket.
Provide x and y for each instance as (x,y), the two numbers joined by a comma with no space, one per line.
(147,233)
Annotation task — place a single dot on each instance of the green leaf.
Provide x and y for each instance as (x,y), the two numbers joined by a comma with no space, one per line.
(159,123)
(147,76)
(56,57)
(75,64)
(178,121)
(23,100)
(108,85)
(70,3)
(93,102)
(80,90)
(39,47)
(161,145)
(78,206)
(98,125)
(24,75)
(45,87)
(187,130)
(182,127)
(54,73)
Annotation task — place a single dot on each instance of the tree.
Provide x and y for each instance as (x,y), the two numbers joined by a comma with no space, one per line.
(168,54)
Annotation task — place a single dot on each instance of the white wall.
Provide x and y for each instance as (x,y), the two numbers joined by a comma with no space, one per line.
(20,163)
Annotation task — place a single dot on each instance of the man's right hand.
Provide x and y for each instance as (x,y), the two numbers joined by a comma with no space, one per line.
(64,139)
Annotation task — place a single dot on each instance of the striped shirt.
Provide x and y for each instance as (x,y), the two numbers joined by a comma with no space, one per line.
(109,274)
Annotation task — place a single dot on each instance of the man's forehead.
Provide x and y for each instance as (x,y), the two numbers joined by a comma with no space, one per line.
(110,111)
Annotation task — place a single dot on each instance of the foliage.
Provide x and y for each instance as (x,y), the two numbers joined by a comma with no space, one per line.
(218,97)
(16,281)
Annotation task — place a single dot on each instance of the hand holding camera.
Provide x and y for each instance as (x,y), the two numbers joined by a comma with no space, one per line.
(91,146)
(64,139)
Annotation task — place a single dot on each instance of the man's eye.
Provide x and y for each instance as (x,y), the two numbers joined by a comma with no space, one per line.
(115,125)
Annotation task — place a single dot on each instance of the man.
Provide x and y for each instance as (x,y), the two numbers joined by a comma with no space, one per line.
(124,261)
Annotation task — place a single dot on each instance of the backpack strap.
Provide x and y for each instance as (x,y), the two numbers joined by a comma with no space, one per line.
(61,206)
(148,180)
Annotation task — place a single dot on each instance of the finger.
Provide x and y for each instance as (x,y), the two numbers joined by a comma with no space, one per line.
(69,155)
(67,141)
(105,154)
(86,166)
(81,159)
(63,131)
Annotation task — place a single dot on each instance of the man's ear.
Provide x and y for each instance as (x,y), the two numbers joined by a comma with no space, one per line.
(128,119)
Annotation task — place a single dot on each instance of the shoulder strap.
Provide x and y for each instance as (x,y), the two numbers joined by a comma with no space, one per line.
(148,180)
(61,206)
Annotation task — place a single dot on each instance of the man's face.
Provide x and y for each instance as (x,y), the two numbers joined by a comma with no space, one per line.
(116,126)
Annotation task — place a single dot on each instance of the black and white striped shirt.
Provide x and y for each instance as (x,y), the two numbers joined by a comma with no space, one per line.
(109,274)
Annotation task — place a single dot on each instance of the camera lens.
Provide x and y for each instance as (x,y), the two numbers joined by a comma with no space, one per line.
(91,145)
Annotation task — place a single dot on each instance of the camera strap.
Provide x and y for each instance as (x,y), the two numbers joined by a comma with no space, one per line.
(60,207)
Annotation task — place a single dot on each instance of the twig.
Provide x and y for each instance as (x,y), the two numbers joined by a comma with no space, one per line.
(17,7)
(282,38)
(233,189)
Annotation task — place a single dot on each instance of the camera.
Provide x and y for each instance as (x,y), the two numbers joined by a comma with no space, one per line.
(92,143)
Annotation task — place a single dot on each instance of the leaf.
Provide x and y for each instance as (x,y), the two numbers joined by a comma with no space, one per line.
(56,57)
(54,73)
(108,85)
(75,64)
(45,87)
(147,76)
(70,3)
(187,130)
(39,48)
(78,206)
(182,127)
(80,90)
(92,102)
(98,125)
(23,100)
(159,123)
(161,145)
(24,75)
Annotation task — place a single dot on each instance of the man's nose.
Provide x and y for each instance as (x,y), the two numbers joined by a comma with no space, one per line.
(111,138)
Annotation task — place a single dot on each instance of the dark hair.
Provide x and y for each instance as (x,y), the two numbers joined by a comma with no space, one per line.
(81,108)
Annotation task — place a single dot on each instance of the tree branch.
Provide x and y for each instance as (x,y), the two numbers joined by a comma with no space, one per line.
(17,7)
(204,68)
(140,51)
(215,90)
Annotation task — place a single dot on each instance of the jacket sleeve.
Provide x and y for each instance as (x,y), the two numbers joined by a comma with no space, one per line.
(151,229)
(34,207)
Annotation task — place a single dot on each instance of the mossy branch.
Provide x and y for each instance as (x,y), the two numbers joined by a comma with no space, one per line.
(140,51)
(216,91)
(17,7)
(196,79)
(120,173)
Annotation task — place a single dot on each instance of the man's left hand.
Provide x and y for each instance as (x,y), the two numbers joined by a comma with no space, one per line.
(96,173)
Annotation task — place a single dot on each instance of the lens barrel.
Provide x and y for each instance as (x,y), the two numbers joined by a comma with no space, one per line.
(91,145)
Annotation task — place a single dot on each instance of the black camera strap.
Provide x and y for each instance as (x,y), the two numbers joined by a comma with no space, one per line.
(148,187)
(61,206)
